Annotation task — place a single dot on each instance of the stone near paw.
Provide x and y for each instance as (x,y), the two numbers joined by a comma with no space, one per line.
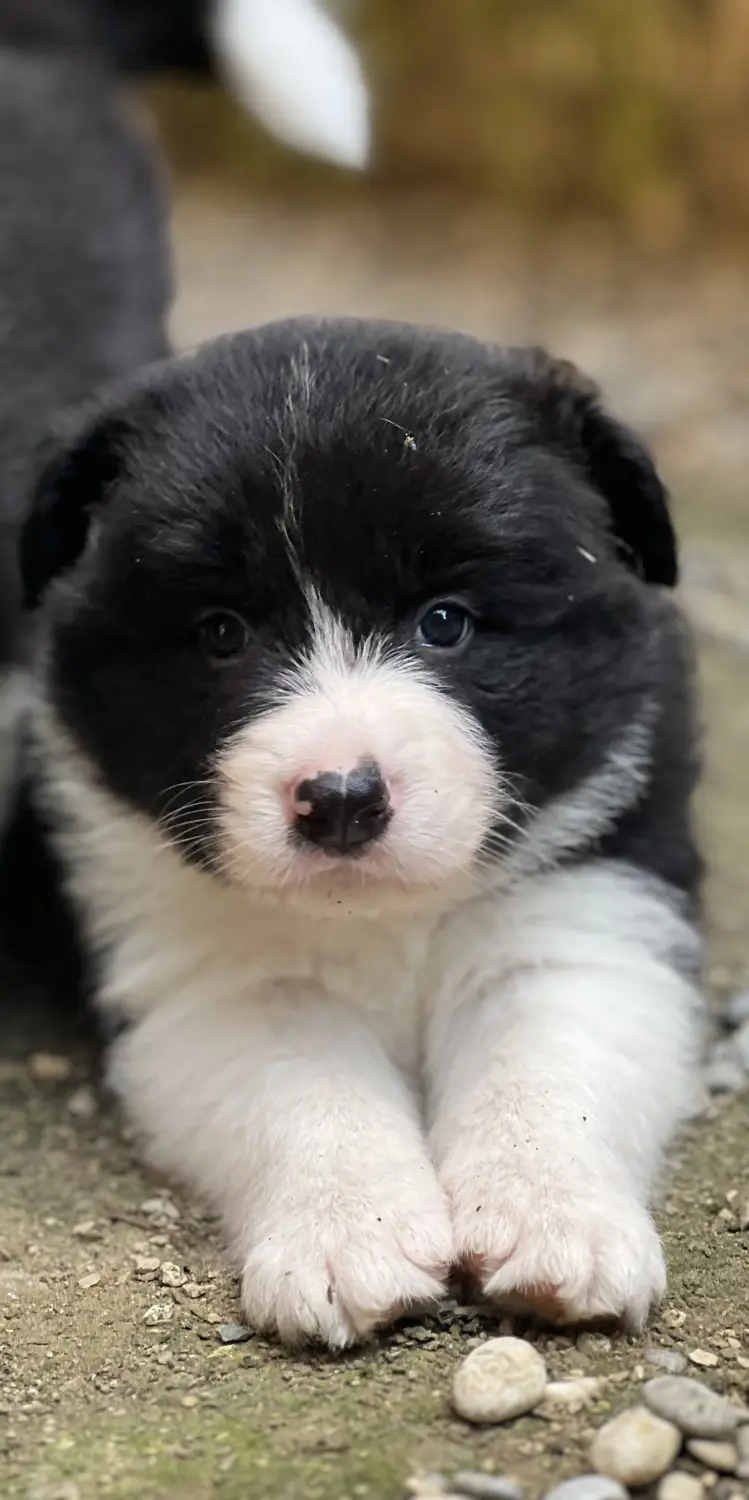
(680,1486)
(502,1379)
(723,1457)
(588,1487)
(635,1447)
(692,1407)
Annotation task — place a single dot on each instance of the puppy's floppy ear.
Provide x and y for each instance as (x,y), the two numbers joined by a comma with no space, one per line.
(76,467)
(614,460)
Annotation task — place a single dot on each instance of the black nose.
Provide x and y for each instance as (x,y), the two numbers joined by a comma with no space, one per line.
(343,812)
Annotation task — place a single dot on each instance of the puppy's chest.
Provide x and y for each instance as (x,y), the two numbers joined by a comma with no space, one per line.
(382,975)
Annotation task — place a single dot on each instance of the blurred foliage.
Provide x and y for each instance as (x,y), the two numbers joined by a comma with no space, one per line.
(636,110)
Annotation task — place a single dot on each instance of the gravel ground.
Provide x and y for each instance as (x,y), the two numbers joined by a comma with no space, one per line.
(122,1372)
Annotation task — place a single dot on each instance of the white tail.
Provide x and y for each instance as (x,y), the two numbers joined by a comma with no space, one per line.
(292,67)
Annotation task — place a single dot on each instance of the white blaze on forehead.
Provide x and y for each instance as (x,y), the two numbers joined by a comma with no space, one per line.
(341,703)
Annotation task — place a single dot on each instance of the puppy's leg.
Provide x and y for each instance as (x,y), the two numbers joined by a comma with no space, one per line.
(284,1113)
(561,1062)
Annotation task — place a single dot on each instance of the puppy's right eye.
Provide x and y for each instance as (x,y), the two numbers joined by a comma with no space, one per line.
(222,634)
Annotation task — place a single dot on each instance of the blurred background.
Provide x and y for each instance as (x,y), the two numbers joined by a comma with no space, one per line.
(574,172)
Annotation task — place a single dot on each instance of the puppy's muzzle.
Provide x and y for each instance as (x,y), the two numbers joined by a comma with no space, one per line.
(342,812)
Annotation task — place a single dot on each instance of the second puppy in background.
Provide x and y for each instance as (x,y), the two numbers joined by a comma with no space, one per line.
(287,61)
(85,285)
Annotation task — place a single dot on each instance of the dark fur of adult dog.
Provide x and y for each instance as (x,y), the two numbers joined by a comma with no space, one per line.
(365,722)
(84,288)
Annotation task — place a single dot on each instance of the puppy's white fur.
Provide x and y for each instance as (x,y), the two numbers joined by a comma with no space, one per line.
(370,1085)
(293,68)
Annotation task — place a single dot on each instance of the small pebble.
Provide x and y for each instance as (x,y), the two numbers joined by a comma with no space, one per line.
(593,1343)
(49,1067)
(588,1487)
(680,1486)
(691,1406)
(724,1072)
(486,1486)
(425,1486)
(232,1333)
(736,1010)
(636,1447)
(146,1263)
(714,1455)
(86,1230)
(86,1282)
(159,1312)
(666,1359)
(159,1208)
(742,1445)
(572,1395)
(82,1102)
(171,1274)
(501,1379)
(704,1358)
(741,1042)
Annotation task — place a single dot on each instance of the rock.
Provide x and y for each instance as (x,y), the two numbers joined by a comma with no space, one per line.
(588,1487)
(49,1067)
(233,1333)
(736,1010)
(86,1282)
(171,1274)
(680,1486)
(724,1071)
(593,1343)
(160,1312)
(667,1359)
(704,1358)
(160,1208)
(742,1446)
(501,1379)
(145,1264)
(82,1102)
(692,1407)
(723,1457)
(87,1229)
(572,1395)
(486,1486)
(636,1447)
(425,1486)
(741,1043)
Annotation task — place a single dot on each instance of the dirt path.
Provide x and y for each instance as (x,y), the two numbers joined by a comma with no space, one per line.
(113,1383)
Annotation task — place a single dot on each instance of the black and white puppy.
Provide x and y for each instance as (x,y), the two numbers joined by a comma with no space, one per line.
(365,721)
(84,290)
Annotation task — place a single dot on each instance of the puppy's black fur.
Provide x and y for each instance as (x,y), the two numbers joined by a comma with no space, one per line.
(383,466)
(85,285)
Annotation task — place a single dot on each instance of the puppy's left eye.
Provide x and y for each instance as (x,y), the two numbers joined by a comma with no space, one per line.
(222,634)
(444,625)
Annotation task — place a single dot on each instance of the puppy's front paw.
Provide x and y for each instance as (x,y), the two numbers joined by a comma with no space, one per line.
(334,1272)
(569,1247)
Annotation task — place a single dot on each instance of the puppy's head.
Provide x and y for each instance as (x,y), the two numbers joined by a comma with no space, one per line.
(342,607)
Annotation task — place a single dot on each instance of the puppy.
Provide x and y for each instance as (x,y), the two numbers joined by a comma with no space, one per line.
(364,718)
(84,290)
